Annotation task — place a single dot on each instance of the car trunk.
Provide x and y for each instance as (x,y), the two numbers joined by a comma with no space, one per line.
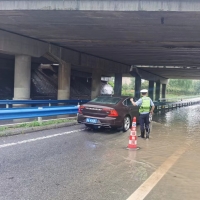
(96,110)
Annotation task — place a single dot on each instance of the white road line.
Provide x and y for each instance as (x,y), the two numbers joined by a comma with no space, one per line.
(151,182)
(39,138)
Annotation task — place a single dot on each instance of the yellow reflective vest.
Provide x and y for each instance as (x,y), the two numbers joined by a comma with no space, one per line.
(146,105)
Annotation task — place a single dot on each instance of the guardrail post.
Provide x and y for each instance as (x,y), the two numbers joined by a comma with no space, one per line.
(162,109)
(49,103)
(40,118)
(78,108)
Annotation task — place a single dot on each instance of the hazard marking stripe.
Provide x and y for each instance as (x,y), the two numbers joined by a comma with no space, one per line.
(151,182)
(39,138)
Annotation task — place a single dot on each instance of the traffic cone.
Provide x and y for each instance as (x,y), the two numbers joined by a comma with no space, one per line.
(133,136)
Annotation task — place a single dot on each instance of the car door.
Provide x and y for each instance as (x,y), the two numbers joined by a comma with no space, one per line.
(133,110)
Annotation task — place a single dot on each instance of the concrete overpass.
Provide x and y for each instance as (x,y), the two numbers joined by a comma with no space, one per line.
(155,39)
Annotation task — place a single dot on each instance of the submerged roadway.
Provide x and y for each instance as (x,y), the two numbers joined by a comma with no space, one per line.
(74,163)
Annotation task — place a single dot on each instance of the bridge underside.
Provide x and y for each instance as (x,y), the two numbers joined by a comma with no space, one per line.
(132,38)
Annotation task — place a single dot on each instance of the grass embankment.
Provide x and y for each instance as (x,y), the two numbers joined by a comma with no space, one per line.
(35,124)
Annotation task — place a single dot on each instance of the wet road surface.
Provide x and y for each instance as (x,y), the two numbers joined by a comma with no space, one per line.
(73,163)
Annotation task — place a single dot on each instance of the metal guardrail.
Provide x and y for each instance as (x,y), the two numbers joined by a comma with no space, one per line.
(39,102)
(174,99)
(32,112)
(16,113)
(163,107)
(167,101)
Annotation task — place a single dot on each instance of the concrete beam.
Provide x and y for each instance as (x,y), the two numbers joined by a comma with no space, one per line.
(64,74)
(118,84)
(96,84)
(84,60)
(137,86)
(15,44)
(151,76)
(151,90)
(22,77)
(107,5)
(157,90)
(163,91)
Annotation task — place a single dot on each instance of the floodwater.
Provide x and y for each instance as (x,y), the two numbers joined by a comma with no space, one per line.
(175,144)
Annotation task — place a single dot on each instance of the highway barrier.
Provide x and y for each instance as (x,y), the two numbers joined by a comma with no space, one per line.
(41,102)
(164,107)
(18,113)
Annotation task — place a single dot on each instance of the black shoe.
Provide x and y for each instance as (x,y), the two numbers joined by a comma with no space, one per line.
(142,134)
(147,133)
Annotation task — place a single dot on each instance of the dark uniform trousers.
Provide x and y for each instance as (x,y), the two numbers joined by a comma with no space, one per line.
(144,121)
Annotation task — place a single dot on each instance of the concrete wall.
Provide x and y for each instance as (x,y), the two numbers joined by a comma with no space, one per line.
(107,5)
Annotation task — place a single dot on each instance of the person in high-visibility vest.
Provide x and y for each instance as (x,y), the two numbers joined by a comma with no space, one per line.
(146,107)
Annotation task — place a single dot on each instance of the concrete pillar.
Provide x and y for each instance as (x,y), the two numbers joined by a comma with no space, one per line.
(137,86)
(64,74)
(157,90)
(163,91)
(118,84)
(151,90)
(96,84)
(22,77)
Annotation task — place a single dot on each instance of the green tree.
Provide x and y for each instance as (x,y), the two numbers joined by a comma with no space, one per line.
(196,85)
(112,83)
(132,84)
(181,87)
(145,85)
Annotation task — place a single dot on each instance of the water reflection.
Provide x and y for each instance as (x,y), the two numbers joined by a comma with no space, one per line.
(187,117)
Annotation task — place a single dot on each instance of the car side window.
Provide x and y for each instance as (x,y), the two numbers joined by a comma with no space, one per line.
(128,102)
(125,102)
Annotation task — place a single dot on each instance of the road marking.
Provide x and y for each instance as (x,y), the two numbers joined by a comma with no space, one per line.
(39,138)
(151,182)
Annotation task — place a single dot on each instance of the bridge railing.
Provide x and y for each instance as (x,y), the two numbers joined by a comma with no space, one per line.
(41,102)
(16,113)
(176,99)
(167,106)
(67,107)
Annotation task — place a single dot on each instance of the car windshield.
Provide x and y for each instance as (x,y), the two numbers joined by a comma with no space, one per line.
(106,100)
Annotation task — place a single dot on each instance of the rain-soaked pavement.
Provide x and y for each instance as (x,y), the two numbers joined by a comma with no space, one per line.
(95,165)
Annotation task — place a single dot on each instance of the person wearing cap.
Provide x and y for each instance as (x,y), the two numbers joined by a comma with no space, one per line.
(146,107)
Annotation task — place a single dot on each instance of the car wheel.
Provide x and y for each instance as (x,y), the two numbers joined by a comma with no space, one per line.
(126,123)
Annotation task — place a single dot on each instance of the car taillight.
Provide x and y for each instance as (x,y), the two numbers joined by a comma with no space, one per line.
(81,109)
(111,112)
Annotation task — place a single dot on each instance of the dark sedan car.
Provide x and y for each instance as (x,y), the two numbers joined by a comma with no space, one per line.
(109,112)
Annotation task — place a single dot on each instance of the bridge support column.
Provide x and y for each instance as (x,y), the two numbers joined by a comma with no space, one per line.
(151,90)
(22,77)
(157,90)
(163,91)
(96,84)
(64,73)
(137,86)
(118,84)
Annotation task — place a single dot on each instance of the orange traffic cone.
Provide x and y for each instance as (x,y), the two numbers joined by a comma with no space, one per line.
(133,136)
